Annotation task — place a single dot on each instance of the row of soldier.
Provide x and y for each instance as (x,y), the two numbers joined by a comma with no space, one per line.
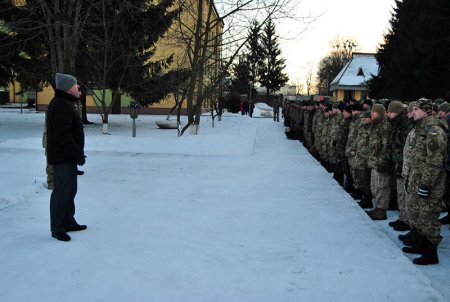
(388,156)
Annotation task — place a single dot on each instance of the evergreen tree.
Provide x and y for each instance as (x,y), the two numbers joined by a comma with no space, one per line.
(413,59)
(271,72)
(254,53)
(241,77)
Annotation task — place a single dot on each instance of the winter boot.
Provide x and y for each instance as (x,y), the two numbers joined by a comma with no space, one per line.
(366,201)
(417,247)
(445,220)
(377,214)
(401,226)
(416,239)
(394,223)
(430,255)
(413,232)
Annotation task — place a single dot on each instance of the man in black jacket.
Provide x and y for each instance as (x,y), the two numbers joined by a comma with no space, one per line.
(65,150)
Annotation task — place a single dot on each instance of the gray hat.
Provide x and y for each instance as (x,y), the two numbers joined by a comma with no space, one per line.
(64,81)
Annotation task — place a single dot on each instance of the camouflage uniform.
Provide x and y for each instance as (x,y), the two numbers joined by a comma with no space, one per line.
(400,129)
(426,170)
(307,132)
(350,148)
(317,128)
(380,162)
(409,143)
(341,133)
(361,171)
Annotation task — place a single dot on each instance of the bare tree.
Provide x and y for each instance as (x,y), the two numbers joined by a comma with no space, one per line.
(212,35)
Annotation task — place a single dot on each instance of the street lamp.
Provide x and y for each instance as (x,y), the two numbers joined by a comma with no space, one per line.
(134,112)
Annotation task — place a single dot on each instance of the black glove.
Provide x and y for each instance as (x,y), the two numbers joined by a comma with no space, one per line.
(424,192)
(82,161)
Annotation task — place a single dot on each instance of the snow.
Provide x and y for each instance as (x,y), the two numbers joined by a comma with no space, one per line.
(348,76)
(236,213)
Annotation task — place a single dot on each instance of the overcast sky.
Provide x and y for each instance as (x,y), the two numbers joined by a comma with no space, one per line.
(363,20)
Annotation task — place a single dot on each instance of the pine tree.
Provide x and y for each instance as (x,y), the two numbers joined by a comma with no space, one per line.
(271,71)
(254,51)
(241,77)
(414,59)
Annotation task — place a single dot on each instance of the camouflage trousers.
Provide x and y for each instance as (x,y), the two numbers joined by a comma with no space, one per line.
(308,137)
(401,200)
(381,189)
(361,180)
(424,213)
(424,216)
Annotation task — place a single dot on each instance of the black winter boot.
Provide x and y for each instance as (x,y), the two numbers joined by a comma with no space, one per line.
(413,232)
(417,247)
(429,256)
(401,226)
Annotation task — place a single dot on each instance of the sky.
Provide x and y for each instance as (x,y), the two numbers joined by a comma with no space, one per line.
(237,213)
(365,21)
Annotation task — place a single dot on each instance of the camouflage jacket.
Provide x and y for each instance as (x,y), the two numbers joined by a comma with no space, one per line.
(350,148)
(320,121)
(380,146)
(407,151)
(341,136)
(362,149)
(400,129)
(428,154)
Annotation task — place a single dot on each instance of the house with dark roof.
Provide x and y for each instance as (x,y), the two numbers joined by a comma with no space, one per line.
(351,81)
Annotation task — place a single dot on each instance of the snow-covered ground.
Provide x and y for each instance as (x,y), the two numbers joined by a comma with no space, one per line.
(237,213)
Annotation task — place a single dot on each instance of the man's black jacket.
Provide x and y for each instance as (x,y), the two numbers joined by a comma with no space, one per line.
(65,135)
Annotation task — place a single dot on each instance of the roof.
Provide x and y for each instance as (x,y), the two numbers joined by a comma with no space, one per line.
(361,68)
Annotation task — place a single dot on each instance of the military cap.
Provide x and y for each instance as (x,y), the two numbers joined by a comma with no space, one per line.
(439,101)
(378,108)
(396,107)
(426,105)
(445,107)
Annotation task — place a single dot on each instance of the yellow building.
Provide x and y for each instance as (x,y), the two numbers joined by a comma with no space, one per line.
(351,81)
(173,43)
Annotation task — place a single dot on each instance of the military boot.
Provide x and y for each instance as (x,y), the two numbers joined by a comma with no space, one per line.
(429,256)
(366,201)
(413,240)
(413,232)
(377,214)
(417,247)
(401,226)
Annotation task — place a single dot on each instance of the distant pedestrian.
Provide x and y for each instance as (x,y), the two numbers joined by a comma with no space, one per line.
(65,150)
(276,110)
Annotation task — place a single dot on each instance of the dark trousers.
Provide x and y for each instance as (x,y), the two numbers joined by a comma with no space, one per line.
(62,204)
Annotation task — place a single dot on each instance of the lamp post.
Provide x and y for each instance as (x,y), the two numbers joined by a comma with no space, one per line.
(134,112)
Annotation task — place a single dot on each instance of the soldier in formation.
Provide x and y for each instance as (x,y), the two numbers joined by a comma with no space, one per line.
(370,146)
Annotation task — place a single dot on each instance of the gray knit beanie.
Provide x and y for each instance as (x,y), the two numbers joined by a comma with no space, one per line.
(64,81)
(396,107)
